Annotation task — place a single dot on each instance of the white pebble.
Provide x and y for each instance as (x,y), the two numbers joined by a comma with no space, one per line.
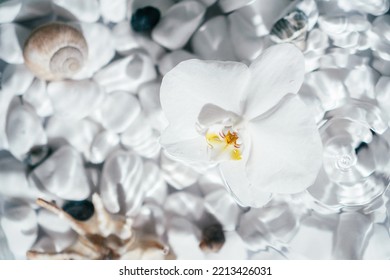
(75,99)
(37,96)
(24,129)
(16,78)
(231,5)
(102,145)
(178,24)
(12,38)
(23,9)
(86,10)
(113,11)
(63,175)
(171,59)
(127,74)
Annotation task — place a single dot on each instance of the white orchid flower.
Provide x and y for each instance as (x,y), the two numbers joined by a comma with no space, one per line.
(249,120)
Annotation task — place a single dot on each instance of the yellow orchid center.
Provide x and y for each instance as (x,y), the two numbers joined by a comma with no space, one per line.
(224,145)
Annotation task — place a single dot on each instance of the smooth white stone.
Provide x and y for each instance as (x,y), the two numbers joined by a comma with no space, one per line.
(221,204)
(102,145)
(309,7)
(14,183)
(342,58)
(212,41)
(149,98)
(246,47)
(176,173)
(113,11)
(273,225)
(186,205)
(233,248)
(151,218)
(63,175)
(140,137)
(127,74)
(57,229)
(375,7)
(231,5)
(208,3)
(86,10)
(351,236)
(124,182)
(161,5)
(171,59)
(23,9)
(24,129)
(380,37)
(378,247)
(12,38)
(101,48)
(20,226)
(127,41)
(158,192)
(258,17)
(44,244)
(342,24)
(37,96)
(5,100)
(118,111)
(79,134)
(382,92)
(75,99)
(9,10)
(16,78)
(184,238)
(211,181)
(361,82)
(316,43)
(178,24)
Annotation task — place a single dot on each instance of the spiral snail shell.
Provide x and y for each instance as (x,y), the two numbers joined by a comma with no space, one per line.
(55,51)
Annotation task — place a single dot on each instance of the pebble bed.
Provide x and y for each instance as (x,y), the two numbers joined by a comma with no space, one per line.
(98,132)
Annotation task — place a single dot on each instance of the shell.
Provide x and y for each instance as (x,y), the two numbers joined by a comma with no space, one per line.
(55,51)
(292,27)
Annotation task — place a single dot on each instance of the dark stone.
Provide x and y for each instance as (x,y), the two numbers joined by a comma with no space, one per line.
(80,210)
(145,19)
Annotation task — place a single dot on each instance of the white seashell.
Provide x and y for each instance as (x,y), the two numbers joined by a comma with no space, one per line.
(176,173)
(171,59)
(63,53)
(231,5)
(178,24)
(14,184)
(140,137)
(37,96)
(118,111)
(24,129)
(20,226)
(149,98)
(102,145)
(212,41)
(375,7)
(221,204)
(23,9)
(100,48)
(125,181)
(79,134)
(59,231)
(75,99)
(62,175)
(127,41)
(113,11)
(16,79)
(12,38)
(127,74)
(86,10)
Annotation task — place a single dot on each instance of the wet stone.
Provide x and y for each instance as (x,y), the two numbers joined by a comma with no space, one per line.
(80,210)
(145,19)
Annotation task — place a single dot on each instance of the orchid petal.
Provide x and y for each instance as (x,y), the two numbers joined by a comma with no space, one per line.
(195,83)
(288,151)
(279,70)
(245,193)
